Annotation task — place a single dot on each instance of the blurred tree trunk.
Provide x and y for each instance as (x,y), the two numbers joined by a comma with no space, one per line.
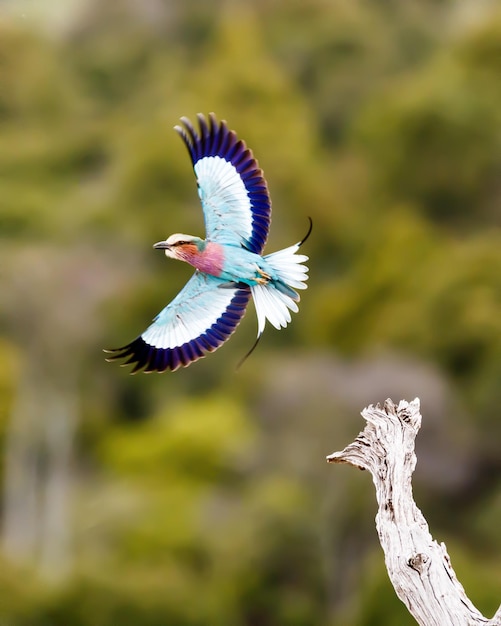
(419,568)
(60,427)
(53,309)
(21,475)
(39,442)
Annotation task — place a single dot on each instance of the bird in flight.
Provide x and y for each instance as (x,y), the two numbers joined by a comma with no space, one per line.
(229,265)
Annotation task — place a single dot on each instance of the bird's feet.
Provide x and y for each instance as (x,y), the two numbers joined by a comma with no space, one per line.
(263,278)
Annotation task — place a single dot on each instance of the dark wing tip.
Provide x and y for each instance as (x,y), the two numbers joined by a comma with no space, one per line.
(116,353)
(148,359)
(189,136)
(212,137)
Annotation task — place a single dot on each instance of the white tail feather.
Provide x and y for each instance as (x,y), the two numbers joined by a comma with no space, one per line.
(287,264)
(275,300)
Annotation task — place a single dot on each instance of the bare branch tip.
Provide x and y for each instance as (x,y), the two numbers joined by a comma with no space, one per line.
(390,407)
(409,412)
(350,456)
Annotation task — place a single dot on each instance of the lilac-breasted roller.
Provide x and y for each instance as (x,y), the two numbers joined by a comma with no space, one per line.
(229,266)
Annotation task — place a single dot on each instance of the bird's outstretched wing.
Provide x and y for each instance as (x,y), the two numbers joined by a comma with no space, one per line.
(201,318)
(231,186)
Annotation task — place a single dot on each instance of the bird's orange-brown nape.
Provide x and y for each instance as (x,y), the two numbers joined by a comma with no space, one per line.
(186,251)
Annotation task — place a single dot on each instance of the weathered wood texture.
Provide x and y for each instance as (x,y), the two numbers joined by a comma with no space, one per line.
(419,567)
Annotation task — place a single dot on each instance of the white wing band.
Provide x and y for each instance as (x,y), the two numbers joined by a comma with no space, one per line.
(221,188)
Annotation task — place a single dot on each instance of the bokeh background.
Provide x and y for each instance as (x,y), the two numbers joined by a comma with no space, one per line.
(202,497)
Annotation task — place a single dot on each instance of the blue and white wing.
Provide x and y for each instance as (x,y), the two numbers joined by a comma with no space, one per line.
(203,315)
(231,186)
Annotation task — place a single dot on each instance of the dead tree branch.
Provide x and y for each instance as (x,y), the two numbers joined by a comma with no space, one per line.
(419,568)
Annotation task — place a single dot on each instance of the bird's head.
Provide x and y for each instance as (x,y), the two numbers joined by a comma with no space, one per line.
(182,247)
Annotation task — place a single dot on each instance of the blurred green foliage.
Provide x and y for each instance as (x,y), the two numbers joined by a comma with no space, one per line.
(201,497)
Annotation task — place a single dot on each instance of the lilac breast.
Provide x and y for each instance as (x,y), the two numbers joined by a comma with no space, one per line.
(211,260)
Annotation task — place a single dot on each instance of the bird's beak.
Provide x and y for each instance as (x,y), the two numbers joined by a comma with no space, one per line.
(161,245)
